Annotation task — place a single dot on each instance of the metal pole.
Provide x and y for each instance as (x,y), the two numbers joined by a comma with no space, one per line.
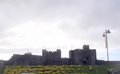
(106,44)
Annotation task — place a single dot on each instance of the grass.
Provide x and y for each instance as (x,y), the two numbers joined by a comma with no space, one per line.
(1,70)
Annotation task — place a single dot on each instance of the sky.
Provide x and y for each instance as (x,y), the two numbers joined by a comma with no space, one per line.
(33,25)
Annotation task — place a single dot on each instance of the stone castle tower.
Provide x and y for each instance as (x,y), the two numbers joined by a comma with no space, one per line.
(83,56)
(51,58)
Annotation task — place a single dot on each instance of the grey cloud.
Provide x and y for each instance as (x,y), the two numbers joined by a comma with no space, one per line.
(93,13)
(84,19)
(102,15)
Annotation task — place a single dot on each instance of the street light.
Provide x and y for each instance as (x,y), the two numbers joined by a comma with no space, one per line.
(106,45)
(106,42)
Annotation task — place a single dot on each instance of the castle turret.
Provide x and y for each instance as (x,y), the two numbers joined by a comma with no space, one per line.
(86,47)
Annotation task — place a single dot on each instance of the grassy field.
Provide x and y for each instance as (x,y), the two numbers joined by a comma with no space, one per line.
(1,70)
(72,69)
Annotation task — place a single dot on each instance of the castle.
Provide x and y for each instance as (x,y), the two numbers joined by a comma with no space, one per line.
(85,56)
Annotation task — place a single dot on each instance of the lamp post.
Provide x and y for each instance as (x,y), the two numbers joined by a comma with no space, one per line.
(105,34)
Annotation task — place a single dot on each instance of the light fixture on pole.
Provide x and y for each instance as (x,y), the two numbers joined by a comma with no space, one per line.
(105,34)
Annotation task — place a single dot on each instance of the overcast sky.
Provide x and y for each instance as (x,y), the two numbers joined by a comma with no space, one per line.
(33,25)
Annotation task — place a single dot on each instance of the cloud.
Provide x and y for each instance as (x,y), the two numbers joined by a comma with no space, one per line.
(59,23)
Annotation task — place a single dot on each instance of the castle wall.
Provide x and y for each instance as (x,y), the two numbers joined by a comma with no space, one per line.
(83,56)
(25,60)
